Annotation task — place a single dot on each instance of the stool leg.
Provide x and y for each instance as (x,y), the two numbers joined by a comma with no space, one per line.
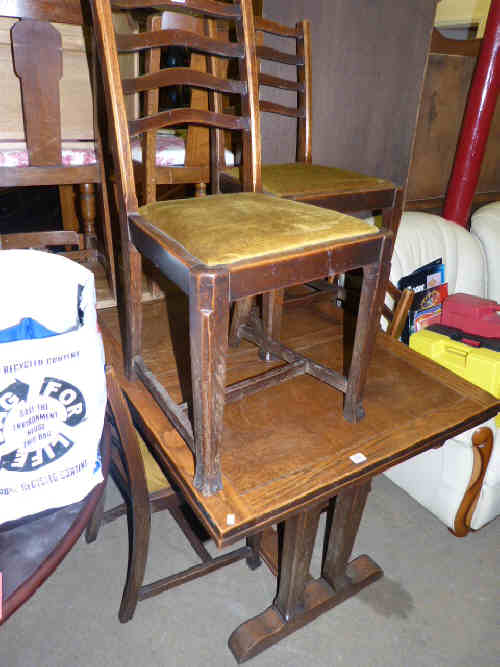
(208,326)
(88,208)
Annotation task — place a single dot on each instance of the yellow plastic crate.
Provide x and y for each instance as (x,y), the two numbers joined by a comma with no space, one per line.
(477,365)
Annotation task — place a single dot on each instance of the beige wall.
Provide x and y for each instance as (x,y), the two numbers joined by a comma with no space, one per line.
(368,66)
(451,13)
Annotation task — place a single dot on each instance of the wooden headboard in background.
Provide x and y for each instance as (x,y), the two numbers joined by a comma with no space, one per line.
(449,72)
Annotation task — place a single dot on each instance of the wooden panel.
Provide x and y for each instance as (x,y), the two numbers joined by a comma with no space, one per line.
(65,11)
(76,96)
(76,99)
(365,95)
(440,119)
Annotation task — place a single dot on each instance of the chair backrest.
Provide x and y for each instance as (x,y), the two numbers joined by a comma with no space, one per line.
(298,58)
(37,62)
(41,240)
(450,68)
(196,167)
(243,49)
(395,309)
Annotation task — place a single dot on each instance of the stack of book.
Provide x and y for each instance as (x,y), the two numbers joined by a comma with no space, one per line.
(428,284)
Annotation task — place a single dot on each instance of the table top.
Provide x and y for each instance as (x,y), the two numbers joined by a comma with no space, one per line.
(289,447)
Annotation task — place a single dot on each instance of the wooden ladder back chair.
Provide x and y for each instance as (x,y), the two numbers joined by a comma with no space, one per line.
(450,68)
(224,248)
(145,489)
(37,61)
(324,186)
(401,304)
(302,180)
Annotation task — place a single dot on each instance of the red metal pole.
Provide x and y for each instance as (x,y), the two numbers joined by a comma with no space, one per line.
(479,112)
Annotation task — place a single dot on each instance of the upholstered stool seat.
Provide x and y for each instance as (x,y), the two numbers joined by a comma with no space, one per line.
(224,229)
(300,179)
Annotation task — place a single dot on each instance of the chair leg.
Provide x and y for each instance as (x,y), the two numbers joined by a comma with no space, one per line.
(139,527)
(88,209)
(132,295)
(95,522)
(254,542)
(241,313)
(208,325)
(272,312)
(375,277)
(391,216)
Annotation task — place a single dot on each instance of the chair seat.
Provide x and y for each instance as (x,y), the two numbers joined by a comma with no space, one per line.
(74,154)
(170,151)
(155,479)
(224,229)
(300,179)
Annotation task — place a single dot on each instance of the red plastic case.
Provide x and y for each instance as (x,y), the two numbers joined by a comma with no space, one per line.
(472,315)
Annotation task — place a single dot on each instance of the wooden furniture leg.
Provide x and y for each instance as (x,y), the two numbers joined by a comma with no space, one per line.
(208,327)
(88,208)
(241,313)
(254,542)
(272,310)
(69,217)
(482,447)
(300,598)
(345,514)
(375,280)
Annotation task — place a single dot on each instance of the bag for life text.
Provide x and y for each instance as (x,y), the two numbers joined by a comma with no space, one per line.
(52,389)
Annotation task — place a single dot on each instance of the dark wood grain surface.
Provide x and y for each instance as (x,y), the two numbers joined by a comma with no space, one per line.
(289,446)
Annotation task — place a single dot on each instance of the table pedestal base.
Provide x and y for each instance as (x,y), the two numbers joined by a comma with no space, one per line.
(269,627)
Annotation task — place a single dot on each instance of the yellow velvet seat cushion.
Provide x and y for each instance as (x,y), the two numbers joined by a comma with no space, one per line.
(300,179)
(155,479)
(224,229)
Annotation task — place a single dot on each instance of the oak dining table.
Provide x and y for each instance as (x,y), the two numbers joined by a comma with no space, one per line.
(289,455)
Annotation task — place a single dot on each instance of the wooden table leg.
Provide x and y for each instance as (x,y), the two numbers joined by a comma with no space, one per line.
(300,598)
(345,514)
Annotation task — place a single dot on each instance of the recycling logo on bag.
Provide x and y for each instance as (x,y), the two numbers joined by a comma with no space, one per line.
(36,423)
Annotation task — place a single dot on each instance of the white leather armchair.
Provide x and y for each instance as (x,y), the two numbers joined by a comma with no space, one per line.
(459,482)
